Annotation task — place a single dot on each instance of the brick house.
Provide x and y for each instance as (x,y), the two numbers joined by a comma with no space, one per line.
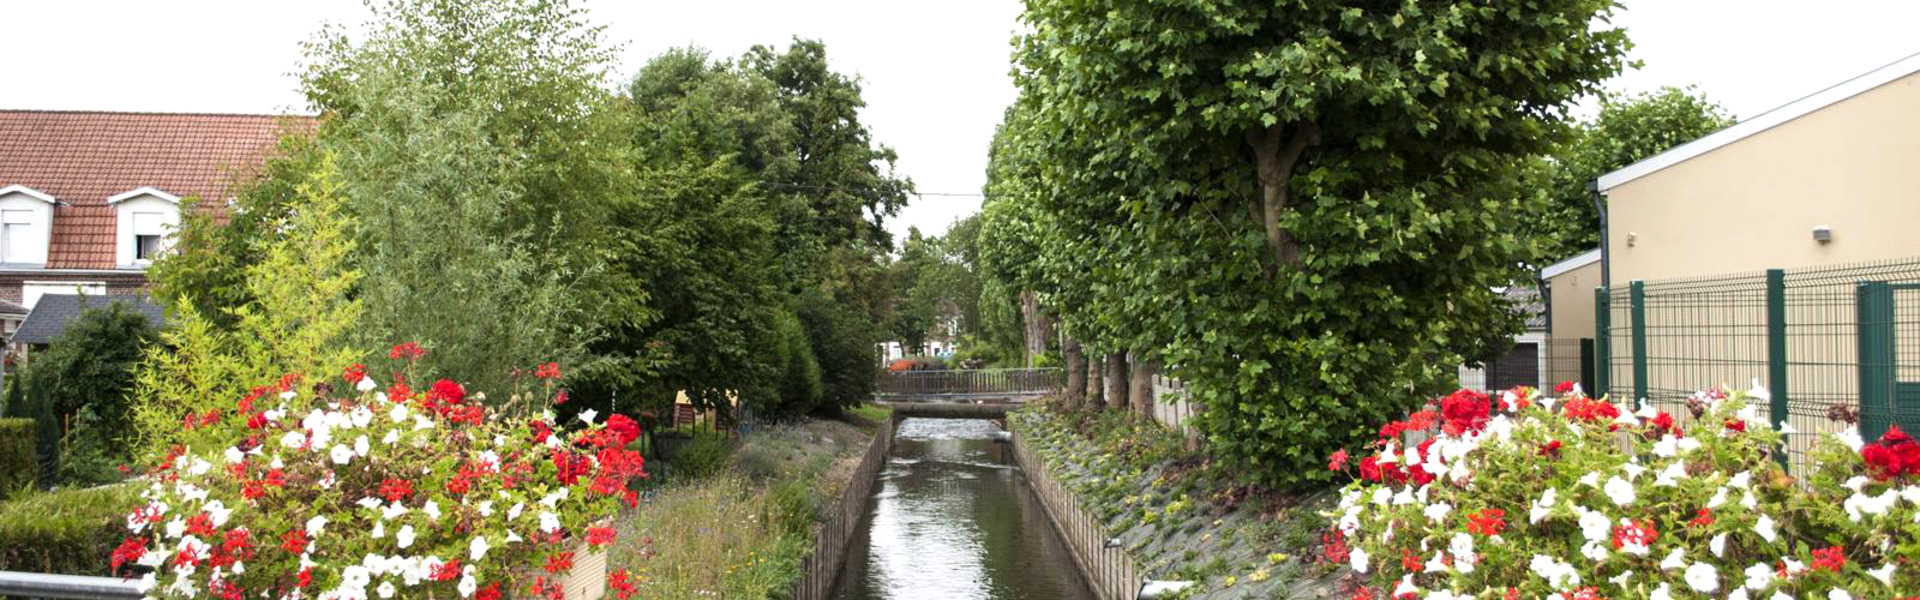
(88,199)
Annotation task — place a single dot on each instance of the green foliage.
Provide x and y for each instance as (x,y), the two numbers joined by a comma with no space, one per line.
(704,457)
(1627,130)
(300,317)
(477,152)
(842,341)
(69,532)
(215,245)
(19,454)
(1305,206)
(82,386)
(798,388)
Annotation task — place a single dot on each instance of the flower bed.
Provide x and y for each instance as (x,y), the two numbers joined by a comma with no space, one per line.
(1574,498)
(381,493)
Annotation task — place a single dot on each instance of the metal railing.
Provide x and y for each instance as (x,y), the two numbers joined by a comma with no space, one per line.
(820,570)
(971,382)
(15,584)
(1816,338)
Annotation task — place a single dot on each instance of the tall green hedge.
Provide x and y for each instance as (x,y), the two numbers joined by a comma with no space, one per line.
(18,466)
(68,531)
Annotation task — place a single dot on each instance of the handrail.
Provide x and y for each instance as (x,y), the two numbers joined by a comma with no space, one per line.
(970,381)
(75,587)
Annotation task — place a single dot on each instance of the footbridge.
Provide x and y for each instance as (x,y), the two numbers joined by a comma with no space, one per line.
(964,393)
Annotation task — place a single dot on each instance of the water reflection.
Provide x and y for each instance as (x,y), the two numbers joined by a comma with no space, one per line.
(952,519)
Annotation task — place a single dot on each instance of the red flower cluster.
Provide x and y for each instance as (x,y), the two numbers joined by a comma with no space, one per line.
(548,371)
(294,542)
(129,551)
(1563,388)
(1488,522)
(1664,422)
(1639,533)
(406,351)
(1831,559)
(1372,471)
(1551,449)
(1702,518)
(622,584)
(600,536)
(1736,425)
(1896,455)
(355,373)
(1466,410)
(395,490)
(1587,409)
(560,562)
(447,571)
(626,428)
(1337,462)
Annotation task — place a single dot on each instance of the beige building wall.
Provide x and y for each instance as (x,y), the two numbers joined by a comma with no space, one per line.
(1753,204)
(1572,293)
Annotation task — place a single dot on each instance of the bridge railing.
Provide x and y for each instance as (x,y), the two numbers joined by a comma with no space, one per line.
(36,586)
(971,381)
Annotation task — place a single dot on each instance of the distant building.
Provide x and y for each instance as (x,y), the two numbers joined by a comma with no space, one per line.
(89,199)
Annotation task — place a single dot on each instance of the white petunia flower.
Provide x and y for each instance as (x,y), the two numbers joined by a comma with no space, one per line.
(477,549)
(1359,560)
(1591,479)
(1738,594)
(1839,594)
(1664,592)
(1558,574)
(1702,578)
(1759,577)
(404,537)
(1594,525)
(366,384)
(1463,556)
(549,522)
(586,416)
(316,524)
(341,454)
(360,446)
(1687,444)
(399,413)
(392,437)
(1856,483)
(1718,545)
(1437,564)
(1758,392)
(386,587)
(1670,477)
(1619,491)
(235,456)
(1742,480)
(1851,437)
(1437,512)
(1677,559)
(1764,527)
(432,509)
(1543,506)
(514,513)
(1884,574)
(217,512)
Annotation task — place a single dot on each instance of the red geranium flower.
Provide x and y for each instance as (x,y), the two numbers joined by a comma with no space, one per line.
(1736,425)
(1702,518)
(600,536)
(447,571)
(406,351)
(1564,387)
(1894,456)
(627,429)
(1338,462)
(559,562)
(447,391)
(1831,559)
(129,551)
(1550,449)
(1488,522)
(548,371)
(395,490)
(294,542)
(355,373)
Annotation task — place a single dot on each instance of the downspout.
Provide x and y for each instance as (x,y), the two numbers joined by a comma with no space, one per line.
(1606,246)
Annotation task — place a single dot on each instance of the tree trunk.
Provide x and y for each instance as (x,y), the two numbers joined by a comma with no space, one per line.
(1117,381)
(1096,389)
(1076,372)
(1275,154)
(1035,326)
(1141,392)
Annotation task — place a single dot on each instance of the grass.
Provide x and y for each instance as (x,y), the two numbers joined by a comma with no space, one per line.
(743,531)
(872,414)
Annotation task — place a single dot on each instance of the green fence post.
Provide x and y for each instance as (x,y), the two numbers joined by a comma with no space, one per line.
(1602,342)
(1874,318)
(1777,350)
(1639,299)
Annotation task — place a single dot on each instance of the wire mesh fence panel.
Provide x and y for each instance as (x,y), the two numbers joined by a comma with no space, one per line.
(1817,338)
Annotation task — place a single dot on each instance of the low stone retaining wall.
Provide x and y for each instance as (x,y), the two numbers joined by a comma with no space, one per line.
(822,567)
(1109,571)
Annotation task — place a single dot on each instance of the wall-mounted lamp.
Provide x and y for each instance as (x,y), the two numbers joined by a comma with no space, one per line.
(1631,238)
(1822,234)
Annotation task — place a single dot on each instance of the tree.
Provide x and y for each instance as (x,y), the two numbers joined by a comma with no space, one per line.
(83,383)
(477,149)
(1303,206)
(1626,130)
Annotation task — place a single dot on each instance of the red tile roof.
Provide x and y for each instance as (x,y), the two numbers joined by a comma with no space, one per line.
(83,158)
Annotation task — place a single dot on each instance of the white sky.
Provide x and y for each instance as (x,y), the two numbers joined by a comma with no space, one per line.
(935,72)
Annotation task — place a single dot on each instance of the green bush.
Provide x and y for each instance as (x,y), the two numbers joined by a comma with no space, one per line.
(67,531)
(799,384)
(843,342)
(705,457)
(18,464)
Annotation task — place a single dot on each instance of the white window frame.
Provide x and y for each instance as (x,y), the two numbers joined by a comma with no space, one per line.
(39,205)
(129,206)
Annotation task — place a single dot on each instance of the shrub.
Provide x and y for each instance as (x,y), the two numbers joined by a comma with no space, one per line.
(344,496)
(65,531)
(705,457)
(1579,498)
(19,454)
(89,370)
(799,387)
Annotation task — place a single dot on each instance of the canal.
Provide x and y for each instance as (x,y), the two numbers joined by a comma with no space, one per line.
(952,519)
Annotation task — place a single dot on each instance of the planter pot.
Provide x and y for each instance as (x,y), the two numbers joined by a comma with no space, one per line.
(588,578)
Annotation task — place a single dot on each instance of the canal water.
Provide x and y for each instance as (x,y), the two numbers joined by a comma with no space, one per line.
(952,519)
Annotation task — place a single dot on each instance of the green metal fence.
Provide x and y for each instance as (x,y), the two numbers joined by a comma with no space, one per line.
(1818,338)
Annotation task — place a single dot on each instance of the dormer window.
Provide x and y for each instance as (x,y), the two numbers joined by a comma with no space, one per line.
(147,218)
(26,218)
